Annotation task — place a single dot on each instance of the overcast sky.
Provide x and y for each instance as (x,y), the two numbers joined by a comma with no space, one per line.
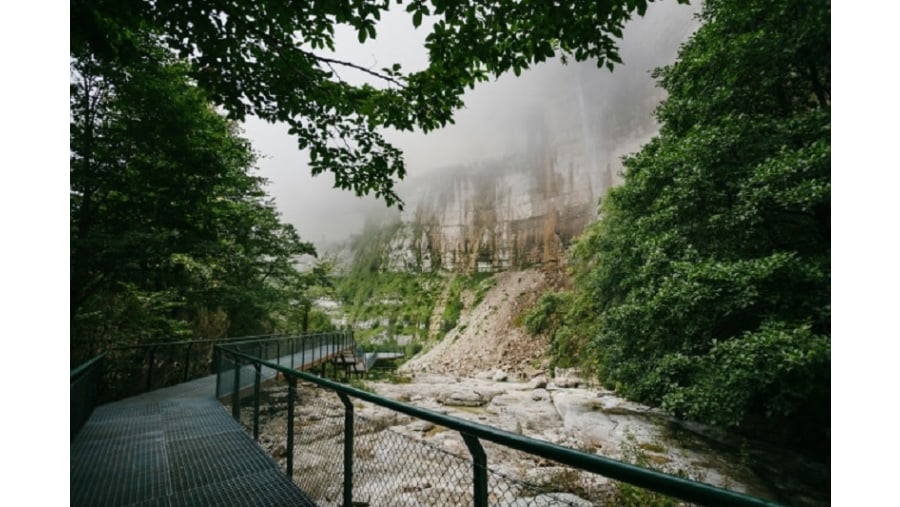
(485,128)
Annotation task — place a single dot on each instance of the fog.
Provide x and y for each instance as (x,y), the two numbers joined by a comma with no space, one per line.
(500,117)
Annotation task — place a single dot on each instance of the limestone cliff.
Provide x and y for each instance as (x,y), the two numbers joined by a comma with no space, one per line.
(539,170)
(518,210)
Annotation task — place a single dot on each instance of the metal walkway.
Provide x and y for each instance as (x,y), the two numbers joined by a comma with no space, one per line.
(177,446)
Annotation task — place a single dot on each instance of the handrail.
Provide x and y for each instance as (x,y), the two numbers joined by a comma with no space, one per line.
(670,485)
(84,391)
(77,372)
(236,340)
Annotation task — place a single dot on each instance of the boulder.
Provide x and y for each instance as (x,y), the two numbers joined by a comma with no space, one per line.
(538,382)
(420,426)
(461,399)
(540,394)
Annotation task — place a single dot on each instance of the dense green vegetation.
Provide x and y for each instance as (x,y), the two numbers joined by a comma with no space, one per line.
(380,303)
(705,286)
(172,236)
(383,304)
(389,304)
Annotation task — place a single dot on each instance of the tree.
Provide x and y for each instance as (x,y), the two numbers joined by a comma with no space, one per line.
(705,285)
(270,58)
(168,226)
(296,312)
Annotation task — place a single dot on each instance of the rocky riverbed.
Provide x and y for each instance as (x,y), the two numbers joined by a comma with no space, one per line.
(403,461)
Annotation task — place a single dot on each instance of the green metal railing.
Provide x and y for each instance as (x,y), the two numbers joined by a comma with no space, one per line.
(375,439)
(84,391)
(313,351)
(129,370)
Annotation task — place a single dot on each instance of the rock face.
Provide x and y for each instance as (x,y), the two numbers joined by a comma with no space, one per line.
(522,204)
(502,214)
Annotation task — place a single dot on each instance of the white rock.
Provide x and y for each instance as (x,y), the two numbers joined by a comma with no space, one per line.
(538,382)
(462,399)
(548,500)
(420,426)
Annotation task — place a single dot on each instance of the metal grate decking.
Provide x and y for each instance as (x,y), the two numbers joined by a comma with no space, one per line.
(173,447)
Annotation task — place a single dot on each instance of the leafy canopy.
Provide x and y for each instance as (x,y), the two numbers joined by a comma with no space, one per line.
(274,59)
(171,235)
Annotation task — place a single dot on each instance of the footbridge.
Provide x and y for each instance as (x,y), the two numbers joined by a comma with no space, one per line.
(184,424)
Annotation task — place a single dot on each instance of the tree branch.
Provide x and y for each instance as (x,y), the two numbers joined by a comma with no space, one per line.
(274,42)
(329,61)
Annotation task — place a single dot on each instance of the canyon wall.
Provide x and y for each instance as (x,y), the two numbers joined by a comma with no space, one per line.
(545,148)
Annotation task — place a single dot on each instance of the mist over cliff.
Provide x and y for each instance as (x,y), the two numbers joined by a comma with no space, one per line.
(520,173)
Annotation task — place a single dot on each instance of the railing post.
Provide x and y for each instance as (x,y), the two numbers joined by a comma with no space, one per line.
(235,392)
(257,367)
(292,393)
(187,361)
(293,351)
(217,367)
(479,470)
(348,450)
(278,352)
(150,369)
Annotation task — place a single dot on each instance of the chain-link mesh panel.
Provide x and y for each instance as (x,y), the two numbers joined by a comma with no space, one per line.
(319,445)
(506,491)
(519,479)
(391,468)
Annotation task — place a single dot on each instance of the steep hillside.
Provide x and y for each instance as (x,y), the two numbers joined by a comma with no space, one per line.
(487,337)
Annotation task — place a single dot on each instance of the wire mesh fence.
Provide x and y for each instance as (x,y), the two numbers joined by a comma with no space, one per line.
(392,463)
